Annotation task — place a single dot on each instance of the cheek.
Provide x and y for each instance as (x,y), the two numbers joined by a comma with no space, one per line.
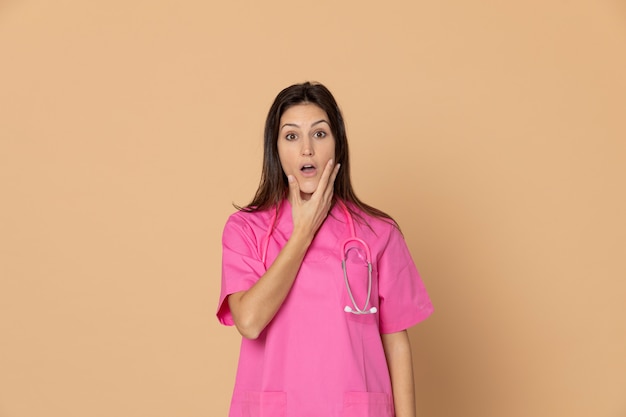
(332,151)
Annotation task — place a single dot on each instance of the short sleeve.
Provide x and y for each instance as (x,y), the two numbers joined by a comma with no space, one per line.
(404,301)
(241,264)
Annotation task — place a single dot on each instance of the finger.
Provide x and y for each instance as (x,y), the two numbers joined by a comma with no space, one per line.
(294,190)
(323,184)
(333,177)
(330,187)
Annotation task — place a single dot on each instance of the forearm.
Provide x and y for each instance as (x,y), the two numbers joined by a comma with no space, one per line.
(399,360)
(253,309)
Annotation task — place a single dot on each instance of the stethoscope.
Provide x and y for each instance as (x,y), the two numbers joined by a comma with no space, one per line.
(354,309)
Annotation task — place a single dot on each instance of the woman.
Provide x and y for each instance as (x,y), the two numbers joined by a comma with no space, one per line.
(317,341)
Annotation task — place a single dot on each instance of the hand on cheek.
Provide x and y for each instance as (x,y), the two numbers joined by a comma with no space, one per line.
(309,210)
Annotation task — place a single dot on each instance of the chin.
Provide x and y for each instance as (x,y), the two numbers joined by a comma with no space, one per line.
(308,189)
(306,192)
(308,185)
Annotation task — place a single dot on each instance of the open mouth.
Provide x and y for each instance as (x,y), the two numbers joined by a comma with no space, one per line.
(308,170)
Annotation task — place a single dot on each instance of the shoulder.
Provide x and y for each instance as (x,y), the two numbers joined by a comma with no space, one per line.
(385,239)
(379,227)
(247,222)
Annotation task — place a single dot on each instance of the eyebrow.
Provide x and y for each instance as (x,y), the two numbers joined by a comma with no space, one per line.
(298,126)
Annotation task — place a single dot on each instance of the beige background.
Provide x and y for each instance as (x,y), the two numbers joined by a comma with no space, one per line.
(492,131)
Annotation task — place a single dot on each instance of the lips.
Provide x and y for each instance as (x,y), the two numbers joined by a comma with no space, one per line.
(308,170)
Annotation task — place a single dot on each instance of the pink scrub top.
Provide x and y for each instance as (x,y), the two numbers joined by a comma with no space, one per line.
(314,359)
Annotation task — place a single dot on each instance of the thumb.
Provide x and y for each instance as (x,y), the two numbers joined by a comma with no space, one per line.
(294,189)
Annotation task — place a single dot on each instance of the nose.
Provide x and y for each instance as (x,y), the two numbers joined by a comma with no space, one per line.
(307,147)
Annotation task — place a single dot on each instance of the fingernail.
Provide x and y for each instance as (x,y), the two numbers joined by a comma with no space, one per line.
(290,178)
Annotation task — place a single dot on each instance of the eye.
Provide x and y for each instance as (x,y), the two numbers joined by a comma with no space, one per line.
(290,136)
(319,134)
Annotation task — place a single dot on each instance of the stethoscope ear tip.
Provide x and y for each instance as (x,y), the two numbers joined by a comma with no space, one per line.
(347,309)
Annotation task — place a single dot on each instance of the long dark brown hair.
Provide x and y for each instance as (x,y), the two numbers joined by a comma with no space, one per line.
(273,187)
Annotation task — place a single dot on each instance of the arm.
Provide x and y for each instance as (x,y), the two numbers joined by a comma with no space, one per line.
(398,353)
(253,309)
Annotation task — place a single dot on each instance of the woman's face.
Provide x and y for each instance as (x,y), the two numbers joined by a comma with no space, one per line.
(305,145)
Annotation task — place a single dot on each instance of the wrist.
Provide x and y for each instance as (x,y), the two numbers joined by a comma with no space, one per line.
(301,237)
